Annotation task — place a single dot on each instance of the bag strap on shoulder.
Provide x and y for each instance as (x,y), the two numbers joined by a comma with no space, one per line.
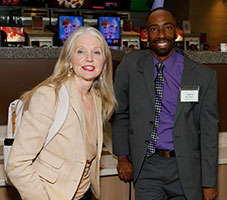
(61,113)
(14,117)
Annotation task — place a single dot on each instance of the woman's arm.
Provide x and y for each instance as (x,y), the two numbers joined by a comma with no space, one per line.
(29,141)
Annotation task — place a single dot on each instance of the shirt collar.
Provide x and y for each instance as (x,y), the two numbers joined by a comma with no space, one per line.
(168,62)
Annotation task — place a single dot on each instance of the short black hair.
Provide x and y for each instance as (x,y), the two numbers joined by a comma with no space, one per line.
(160,8)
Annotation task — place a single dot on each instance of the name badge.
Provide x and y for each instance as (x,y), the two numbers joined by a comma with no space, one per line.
(189,94)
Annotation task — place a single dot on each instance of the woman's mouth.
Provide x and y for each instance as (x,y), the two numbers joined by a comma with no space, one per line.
(88,68)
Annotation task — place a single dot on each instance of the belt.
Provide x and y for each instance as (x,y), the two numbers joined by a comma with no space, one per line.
(165,153)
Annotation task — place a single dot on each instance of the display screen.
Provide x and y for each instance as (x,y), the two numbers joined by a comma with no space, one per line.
(147,5)
(143,34)
(68,24)
(14,34)
(92,4)
(106,4)
(141,5)
(110,29)
(10,2)
(70,4)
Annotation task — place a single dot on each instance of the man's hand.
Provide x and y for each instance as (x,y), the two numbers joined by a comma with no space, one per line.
(209,193)
(124,168)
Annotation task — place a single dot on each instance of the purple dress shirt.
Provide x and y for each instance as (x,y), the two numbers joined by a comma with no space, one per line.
(172,73)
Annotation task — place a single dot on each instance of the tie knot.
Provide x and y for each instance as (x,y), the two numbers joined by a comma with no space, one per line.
(160,66)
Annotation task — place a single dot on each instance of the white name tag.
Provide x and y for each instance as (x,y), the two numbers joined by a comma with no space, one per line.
(189,94)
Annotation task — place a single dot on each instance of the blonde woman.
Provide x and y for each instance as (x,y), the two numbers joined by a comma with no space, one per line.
(68,167)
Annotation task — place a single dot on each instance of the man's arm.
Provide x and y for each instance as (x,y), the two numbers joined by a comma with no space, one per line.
(209,139)
(120,122)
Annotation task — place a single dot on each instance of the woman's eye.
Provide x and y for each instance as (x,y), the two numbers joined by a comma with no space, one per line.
(80,51)
(97,52)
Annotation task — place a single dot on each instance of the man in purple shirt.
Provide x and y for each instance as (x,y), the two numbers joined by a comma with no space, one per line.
(183,165)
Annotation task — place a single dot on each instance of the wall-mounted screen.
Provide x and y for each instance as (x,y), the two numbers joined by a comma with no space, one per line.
(68,24)
(144,44)
(143,34)
(110,29)
(70,4)
(141,5)
(147,5)
(107,4)
(14,34)
(10,2)
(92,4)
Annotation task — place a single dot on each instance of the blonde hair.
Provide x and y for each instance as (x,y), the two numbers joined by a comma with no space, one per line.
(103,84)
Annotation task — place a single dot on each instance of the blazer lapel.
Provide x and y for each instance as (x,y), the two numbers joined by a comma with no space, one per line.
(98,110)
(186,80)
(76,103)
(145,65)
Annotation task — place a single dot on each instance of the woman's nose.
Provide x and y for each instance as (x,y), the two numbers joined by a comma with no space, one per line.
(89,57)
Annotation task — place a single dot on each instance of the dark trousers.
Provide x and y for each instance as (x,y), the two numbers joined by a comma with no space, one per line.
(159,180)
(87,195)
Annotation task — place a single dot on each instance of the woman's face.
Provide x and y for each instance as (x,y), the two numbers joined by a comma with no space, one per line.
(87,58)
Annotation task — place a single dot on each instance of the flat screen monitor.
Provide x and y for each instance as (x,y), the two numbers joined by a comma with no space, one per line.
(68,24)
(110,29)
(141,5)
(91,4)
(10,2)
(147,5)
(106,4)
(81,4)
(143,34)
(14,34)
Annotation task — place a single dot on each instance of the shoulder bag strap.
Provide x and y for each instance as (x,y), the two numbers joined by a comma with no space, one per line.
(61,113)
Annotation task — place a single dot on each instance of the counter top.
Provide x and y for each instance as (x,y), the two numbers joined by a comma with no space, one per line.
(222,154)
(108,165)
(28,53)
(206,57)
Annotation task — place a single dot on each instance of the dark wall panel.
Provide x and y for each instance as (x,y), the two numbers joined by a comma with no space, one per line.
(18,76)
(221,70)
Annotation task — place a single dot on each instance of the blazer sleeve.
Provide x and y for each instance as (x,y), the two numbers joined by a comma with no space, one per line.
(29,141)
(120,122)
(209,120)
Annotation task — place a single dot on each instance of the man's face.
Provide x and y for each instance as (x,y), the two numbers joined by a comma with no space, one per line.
(161,28)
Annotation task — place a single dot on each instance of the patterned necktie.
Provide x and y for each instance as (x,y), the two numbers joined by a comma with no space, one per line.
(158,84)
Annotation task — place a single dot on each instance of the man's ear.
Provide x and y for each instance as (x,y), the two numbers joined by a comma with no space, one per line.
(177,31)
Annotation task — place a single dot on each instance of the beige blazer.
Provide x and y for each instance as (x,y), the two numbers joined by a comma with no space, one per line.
(53,172)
